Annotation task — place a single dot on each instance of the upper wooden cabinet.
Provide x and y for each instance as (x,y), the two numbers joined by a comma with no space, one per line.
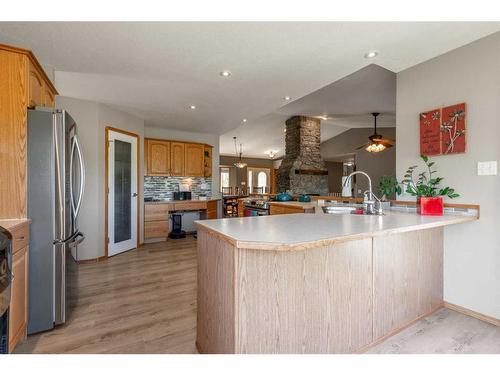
(36,87)
(158,157)
(177,158)
(195,160)
(23,84)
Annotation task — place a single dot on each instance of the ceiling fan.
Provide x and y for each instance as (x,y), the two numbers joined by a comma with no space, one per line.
(377,143)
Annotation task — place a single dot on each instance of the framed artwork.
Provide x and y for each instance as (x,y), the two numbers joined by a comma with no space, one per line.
(443,130)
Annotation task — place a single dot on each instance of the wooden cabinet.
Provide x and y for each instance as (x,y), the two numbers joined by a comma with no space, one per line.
(156,216)
(18,316)
(36,87)
(48,97)
(211,210)
(284,210)
(195,160)
(208,161)
(23,84)
(177,158)
(158,157)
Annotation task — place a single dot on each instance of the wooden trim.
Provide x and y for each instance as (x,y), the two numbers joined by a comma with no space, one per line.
(93,260)
(396,331)
(176,140)
(33,60)
(472,313)
(106,175)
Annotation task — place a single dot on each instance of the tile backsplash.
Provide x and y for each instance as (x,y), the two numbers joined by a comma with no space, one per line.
(160,187)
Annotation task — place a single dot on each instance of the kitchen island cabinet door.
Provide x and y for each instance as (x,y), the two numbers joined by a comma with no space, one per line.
(195,160)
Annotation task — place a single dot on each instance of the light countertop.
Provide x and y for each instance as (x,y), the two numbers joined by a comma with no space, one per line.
(299,231)
(11,224)
(182,201)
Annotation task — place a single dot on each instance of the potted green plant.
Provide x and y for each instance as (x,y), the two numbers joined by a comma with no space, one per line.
(388,186)
(426,189)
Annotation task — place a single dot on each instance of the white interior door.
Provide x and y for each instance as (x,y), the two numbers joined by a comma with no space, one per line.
(122,193)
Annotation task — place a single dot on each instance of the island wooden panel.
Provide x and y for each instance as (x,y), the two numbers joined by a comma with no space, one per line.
(408,278)
(215,328)
(313,301)
(337,298)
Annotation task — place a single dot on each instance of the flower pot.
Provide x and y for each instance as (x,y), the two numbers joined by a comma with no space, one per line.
(432,206)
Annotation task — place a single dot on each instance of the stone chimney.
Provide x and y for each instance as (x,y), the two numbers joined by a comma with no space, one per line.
(302,170)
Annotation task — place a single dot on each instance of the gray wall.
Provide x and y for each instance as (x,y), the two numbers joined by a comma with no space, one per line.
(335,173)
(375,164)
(92,118)
(471,74)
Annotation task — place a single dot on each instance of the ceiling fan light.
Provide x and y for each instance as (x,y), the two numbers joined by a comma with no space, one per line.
(240,164)
(375,147)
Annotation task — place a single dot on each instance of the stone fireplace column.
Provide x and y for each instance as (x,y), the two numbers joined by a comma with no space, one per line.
(302,170)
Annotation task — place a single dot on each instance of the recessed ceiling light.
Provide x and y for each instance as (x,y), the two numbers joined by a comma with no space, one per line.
(192,106)
(225,73)
(287,98)
(371,54)
(244,120)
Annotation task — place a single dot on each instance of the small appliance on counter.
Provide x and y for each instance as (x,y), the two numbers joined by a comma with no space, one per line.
(182,195)
(5,287)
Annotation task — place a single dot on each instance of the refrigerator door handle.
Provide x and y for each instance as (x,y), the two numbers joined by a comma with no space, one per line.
(59,186)
(76,147)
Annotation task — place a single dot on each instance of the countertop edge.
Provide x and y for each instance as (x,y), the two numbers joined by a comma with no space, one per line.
(12,224)
(277,246)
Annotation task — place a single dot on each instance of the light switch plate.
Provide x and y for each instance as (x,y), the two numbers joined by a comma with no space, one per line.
(487,168)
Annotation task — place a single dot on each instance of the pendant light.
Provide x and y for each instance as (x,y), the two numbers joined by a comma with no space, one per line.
(239,164)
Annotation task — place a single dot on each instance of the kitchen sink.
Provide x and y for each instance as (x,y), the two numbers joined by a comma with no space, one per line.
(338,209)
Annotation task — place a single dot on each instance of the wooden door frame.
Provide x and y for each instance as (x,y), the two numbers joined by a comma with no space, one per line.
(106,184)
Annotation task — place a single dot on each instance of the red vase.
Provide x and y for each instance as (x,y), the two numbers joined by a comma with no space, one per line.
(432,206)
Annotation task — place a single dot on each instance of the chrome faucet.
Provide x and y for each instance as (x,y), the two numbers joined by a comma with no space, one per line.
(370,201)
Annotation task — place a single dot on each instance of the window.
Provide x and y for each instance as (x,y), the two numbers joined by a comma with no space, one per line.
(224,178)
(262,180)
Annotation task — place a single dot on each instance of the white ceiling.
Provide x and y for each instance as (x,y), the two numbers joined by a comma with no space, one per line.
(344,104)
(156,70)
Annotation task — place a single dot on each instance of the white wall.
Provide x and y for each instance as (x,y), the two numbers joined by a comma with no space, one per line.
(92,118)
(178,135)
(471,74)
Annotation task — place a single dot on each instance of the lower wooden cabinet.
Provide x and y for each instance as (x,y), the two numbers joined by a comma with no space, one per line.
(155,229)
(283,210)
(18,316)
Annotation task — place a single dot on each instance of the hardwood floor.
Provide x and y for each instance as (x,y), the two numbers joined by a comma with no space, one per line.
(144,301)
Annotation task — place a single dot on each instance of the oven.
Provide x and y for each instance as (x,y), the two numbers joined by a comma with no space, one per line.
(5,287)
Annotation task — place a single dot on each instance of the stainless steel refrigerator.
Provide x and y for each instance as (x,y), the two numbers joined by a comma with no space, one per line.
(56,180)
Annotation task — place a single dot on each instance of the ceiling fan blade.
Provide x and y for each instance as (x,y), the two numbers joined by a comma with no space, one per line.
(387,141)
(363,146)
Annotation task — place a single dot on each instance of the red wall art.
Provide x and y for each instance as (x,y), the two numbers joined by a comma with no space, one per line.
(443,130)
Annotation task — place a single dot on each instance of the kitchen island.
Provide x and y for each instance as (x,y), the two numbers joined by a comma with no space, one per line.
(303,283)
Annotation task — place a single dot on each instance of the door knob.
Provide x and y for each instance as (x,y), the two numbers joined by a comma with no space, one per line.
(134,194)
